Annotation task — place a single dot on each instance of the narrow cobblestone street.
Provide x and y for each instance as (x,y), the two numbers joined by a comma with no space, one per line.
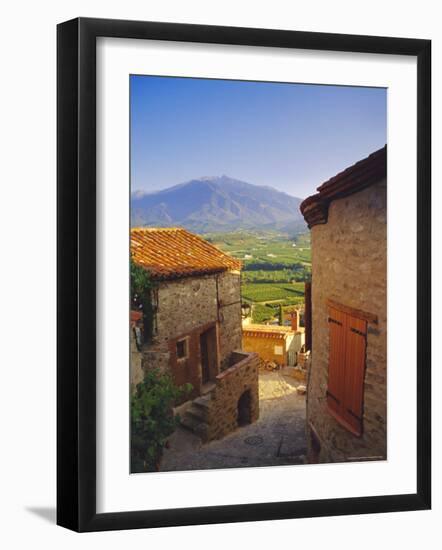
(277,438)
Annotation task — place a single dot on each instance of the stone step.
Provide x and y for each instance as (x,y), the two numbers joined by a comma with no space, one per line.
(190,422)
(195,425)
(202,402)
(199,413)
(207,388)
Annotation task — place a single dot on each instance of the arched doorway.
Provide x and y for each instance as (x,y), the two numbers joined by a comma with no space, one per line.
(244,409)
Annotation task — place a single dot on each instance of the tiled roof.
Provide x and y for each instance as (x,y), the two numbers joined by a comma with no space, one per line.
(364,173)
(171,253)
(267,331)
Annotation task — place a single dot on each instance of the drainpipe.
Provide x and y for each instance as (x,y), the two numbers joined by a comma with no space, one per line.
(217,300)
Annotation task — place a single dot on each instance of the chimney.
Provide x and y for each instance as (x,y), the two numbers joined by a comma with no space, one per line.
(294,320)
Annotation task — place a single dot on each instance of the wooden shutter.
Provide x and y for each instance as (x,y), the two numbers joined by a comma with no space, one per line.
(347,350)
(336,363)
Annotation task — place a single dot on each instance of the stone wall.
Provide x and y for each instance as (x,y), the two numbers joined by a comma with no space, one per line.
(231,384)
(230,329)
(265,347)
(349,265)
(187,307)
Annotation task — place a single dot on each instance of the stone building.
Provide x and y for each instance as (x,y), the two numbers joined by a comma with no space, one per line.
(232,402)
(196,326)
(273,343)
(346,393)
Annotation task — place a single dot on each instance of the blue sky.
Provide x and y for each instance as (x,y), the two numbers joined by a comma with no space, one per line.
(290,136)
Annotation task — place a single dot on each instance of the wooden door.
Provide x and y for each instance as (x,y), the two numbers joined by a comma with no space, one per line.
(205,364)
(336,362)
(209,355)
(354,372)
(347,351)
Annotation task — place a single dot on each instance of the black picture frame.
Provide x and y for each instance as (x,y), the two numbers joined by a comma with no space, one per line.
(76,271)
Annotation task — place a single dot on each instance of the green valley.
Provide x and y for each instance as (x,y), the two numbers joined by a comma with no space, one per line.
(276,265)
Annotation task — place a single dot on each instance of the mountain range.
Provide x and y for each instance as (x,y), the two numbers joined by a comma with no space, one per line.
(220,203)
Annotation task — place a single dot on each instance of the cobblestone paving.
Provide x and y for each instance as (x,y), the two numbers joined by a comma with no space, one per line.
(277,438)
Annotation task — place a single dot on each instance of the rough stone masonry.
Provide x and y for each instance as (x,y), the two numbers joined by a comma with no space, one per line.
(349,265)
(187,307)
(231,385)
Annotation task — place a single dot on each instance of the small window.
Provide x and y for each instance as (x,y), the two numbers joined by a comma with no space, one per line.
(181,349)
(279,350)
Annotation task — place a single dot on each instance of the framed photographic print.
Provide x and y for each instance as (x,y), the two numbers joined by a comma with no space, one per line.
(243,274)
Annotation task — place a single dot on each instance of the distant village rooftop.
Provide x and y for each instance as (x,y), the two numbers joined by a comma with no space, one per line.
(172,253)
(364,173)
(267,331)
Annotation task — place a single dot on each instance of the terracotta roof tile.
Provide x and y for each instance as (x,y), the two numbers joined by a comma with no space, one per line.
(364,173)
(357,177)
(171,253)
(267,331)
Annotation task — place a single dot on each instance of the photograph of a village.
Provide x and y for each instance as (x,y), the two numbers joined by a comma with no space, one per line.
(258,312)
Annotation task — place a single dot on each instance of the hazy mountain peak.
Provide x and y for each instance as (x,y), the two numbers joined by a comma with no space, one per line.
(210,178)
(216,203)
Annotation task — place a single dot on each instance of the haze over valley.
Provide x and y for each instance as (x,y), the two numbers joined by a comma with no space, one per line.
(216,204)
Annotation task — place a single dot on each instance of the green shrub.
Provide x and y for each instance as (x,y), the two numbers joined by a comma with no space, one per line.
(152,418)
(141,287)
(280,315)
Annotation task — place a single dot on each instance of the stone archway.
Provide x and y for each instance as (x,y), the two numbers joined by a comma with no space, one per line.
(244,409)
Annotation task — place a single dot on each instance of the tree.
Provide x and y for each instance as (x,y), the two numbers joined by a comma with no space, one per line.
(280,315)
(152,418)
(141,286)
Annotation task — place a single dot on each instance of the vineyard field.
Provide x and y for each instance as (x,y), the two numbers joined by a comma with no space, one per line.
(267,292)
(275,267)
